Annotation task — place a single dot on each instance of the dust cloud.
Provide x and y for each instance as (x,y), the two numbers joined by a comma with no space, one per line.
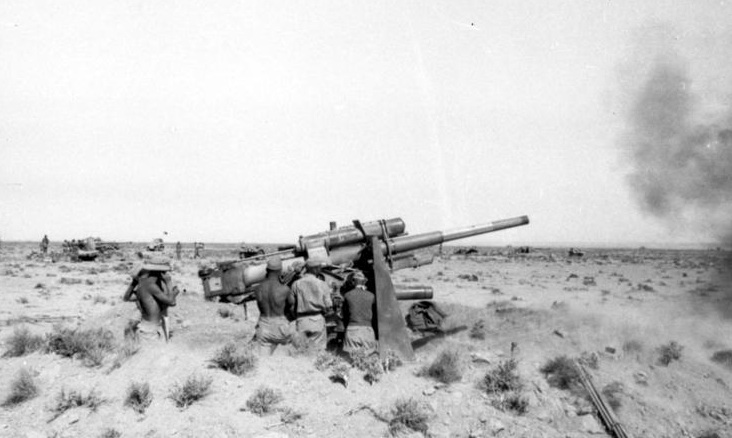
(678,140)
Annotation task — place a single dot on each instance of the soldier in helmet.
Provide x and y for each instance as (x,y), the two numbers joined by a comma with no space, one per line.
(151,289)
(310,300)
(273,327)
(358,314)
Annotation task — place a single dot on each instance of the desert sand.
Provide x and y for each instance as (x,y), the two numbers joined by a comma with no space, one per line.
(613,307)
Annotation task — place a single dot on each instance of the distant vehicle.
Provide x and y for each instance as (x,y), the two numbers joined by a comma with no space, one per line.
(574,252)
(156,245)
(88,249)
(246,252)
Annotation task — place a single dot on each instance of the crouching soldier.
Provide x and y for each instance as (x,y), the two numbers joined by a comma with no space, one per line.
(153,293)
(273,327)
(358,315)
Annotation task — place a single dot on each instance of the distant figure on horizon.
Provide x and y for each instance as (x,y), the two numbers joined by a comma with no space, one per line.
(197,250)
(151,287)
(44,244)
(178,248)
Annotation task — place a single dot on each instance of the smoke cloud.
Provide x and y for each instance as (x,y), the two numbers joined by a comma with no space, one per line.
(679,146)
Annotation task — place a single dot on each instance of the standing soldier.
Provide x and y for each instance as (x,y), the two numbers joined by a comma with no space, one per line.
(358,313)
(310,299)
(44,244)
(178,248)
(273,328)
(151,287)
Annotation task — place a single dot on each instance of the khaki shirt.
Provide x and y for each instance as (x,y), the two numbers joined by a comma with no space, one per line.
(311,295)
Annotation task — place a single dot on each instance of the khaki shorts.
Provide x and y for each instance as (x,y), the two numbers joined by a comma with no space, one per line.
(359,338)
(150,331)
(313,329)
(273,331)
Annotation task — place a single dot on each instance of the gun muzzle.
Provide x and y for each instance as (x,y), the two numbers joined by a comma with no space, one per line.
(404,293)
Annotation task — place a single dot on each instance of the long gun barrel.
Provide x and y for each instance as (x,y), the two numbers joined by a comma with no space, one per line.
(344,245)
(418,241)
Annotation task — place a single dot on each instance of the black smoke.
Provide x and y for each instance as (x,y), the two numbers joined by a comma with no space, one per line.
(677,141)
(680,154)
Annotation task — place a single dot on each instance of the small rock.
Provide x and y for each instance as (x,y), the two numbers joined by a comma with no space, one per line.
(544,416)
(641,378)
(480,357)
(558,333)
(439,431)
(429,391)
(495,426)
(610,350)
(589,424)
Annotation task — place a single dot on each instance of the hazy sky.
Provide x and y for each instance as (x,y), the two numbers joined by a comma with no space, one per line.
(260,121)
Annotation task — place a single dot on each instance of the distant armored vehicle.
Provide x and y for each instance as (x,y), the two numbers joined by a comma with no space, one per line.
(156,245)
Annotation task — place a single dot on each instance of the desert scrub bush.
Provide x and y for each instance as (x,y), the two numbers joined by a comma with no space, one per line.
(561,373)
(503,378)
(478,330)
(299,346)
(235,359)
(408,415)
(289,415)
(325,360)
(91,346)
(590,360)
(98,299)
(511,401)
(669,353)
(446,368)
(73,399)
(110,433)
(22,300)
(612,392)
(138,396)
(370,364)
(341,373)
(632,346)
(264,401)
(23,388)
(391,361)
(192,390)
(723,357)
(22,342)
(128,349)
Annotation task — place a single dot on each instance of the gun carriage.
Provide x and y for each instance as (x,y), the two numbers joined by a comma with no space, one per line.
(377,248)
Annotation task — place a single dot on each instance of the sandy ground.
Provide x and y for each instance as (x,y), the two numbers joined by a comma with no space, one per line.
(545,302)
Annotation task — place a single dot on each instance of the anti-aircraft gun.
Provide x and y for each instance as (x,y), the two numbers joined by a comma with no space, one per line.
(377,248)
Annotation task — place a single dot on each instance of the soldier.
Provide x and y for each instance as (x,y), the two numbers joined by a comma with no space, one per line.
(178,248)
(310,300)
(151,287)
(273,328)
(358,314)
(197,248)
(44,244)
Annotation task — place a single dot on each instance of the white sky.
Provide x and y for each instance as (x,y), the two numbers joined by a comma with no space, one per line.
(260,121)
